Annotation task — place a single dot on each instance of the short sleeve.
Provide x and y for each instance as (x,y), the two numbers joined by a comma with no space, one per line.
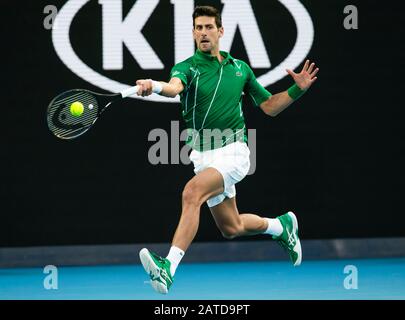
(254,89)
(181,71)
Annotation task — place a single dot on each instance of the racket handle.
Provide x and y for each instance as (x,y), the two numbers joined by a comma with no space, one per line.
(129,92)
(156,88)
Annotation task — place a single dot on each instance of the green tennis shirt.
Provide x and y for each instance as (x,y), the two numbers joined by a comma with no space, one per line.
(211,101)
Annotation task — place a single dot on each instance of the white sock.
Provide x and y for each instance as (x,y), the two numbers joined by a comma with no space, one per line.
(274,228)
(175,255)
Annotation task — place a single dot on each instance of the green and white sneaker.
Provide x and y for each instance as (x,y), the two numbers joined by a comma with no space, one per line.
(289,238)
(158,269)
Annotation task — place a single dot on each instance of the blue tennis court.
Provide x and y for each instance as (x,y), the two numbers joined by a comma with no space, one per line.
(319,279)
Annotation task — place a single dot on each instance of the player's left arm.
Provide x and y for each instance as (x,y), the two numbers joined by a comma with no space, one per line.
(303,81)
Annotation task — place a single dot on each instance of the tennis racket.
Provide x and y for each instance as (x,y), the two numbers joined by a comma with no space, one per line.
(65,124)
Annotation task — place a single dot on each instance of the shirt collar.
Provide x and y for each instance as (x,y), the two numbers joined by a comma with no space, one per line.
(202,56)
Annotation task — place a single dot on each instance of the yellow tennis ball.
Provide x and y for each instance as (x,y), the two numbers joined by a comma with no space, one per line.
(76,108)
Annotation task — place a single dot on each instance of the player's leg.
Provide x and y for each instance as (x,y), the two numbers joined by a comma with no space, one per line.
(284,229)
(232,224)
(206,184)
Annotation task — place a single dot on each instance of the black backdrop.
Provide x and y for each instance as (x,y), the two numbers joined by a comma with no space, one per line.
(335,157)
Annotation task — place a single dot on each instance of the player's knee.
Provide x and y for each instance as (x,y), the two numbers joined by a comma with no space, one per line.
(231,232)
(191,196)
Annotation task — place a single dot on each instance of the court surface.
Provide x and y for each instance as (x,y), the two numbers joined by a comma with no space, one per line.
(277,280)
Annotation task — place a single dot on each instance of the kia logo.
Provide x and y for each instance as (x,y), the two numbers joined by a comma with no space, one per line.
(118,31)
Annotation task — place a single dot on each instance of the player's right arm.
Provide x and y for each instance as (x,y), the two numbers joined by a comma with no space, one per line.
(168,89)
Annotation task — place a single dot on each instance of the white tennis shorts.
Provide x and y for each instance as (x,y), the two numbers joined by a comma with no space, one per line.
(232,161)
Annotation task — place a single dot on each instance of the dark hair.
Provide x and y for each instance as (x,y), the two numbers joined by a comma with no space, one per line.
(207,11)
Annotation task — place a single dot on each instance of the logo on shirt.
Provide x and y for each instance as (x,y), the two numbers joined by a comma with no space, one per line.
(127,38)
(238,73)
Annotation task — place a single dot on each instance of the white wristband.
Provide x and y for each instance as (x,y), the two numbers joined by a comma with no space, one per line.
(156,86)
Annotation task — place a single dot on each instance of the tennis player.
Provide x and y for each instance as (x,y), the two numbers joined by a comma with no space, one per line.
(211,84)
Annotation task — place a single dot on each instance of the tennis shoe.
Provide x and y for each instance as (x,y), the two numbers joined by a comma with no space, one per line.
(289,239)
(158,269)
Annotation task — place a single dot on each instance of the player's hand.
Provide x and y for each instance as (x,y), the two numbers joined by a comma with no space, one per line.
(144,87)
(306,77)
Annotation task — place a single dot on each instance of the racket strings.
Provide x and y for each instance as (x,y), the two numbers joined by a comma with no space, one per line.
(63,123)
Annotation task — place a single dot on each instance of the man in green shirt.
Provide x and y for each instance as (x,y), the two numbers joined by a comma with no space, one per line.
(211,84)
